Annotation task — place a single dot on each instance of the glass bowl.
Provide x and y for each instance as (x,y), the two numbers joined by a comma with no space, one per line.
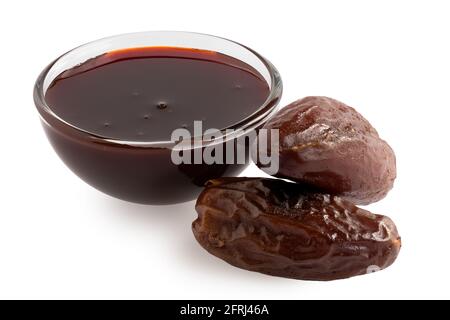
(141,171)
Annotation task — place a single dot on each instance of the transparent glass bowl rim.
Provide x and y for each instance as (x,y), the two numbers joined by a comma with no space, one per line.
(254,120)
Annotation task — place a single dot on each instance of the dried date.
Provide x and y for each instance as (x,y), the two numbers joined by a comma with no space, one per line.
(329,145)
(285,229)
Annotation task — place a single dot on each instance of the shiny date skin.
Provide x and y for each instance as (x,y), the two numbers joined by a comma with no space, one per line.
(329,145)
(286,229)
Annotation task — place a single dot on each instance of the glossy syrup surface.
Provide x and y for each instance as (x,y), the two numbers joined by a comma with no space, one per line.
(143,94)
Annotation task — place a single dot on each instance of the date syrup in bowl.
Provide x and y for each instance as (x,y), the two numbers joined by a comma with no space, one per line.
(109,109)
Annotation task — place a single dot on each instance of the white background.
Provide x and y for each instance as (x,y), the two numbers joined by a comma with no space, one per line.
(60,238)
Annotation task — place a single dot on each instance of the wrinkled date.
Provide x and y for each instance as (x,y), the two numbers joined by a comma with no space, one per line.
(329,145)
(284,229)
